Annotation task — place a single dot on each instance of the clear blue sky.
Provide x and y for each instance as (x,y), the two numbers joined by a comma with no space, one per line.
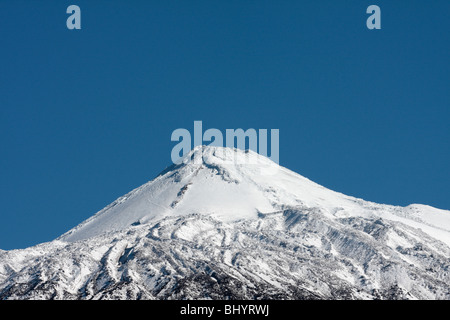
(86,115)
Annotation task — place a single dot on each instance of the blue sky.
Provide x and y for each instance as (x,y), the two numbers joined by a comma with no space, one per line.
(86,115)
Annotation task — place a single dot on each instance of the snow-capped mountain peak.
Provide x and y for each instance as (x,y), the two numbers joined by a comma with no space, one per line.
(227,223)
(233,184)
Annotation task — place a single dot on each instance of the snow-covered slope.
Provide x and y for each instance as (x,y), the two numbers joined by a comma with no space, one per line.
(232,224)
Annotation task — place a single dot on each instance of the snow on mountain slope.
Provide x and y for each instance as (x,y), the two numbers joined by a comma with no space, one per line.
(233,184)
(230,224)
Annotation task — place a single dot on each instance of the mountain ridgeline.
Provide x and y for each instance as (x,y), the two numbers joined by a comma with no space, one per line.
(231,224)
